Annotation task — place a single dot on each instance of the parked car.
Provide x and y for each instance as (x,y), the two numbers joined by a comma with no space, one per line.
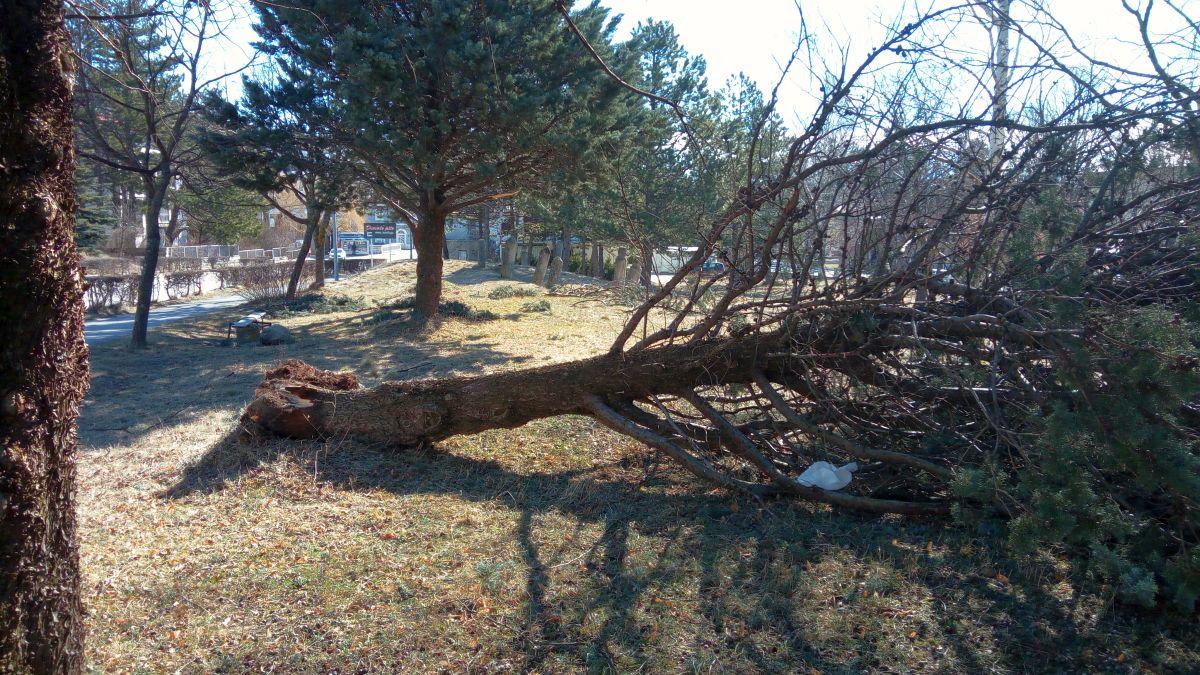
(712,268)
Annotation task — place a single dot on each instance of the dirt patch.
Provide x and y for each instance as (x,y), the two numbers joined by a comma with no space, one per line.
(295,370)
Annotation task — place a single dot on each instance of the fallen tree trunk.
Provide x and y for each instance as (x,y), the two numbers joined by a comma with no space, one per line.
(296,400)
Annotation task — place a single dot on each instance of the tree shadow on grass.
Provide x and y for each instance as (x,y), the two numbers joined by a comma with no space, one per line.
(774,585)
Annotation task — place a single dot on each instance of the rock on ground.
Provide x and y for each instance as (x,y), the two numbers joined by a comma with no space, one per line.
(276,334)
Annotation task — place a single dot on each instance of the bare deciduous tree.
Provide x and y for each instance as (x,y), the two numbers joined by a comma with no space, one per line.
(140,78)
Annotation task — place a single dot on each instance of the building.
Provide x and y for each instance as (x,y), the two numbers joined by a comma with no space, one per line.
(284,228)
(382,226)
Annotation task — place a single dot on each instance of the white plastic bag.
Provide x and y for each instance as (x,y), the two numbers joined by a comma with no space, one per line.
(827,476)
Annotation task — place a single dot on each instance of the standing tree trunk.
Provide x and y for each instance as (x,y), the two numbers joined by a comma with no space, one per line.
(539,272)
(998,12)
(619,267)
(141,316)
(645,266)
(430,239)
(510,257)
(310,229)
(635,271)
(43,360)
(322,242)
(485,218)
(173,224)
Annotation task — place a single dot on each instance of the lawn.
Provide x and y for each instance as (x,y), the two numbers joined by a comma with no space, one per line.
(555,547)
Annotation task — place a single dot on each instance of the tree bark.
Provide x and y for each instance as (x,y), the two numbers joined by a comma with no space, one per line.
(619,267)
(539,272)
(156,192)
(43,359)
(296,400)
(598,260)
(310,229)
(635,272)
(430,239)
(173,224)
(510,257)
(1001,27)
(645,266)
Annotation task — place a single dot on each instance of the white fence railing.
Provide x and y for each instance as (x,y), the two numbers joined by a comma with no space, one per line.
(394,252)
(205,251)
(228,251)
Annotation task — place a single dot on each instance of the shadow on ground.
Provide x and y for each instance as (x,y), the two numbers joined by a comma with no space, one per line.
(725,584)
(188,372)
(777,584)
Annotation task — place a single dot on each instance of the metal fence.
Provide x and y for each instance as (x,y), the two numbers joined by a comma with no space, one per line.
(229,251)
(206,251)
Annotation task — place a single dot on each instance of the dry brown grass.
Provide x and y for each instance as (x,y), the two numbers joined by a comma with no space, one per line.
(555,547)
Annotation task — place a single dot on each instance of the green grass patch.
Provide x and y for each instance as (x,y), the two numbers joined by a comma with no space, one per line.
(447,308)
(315,303)
(513,291)
(536,306)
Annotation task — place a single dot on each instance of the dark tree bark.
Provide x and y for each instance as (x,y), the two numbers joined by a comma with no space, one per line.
(310,229)
(647,265)
(430,239)
(173,224)
(322,234)
(156,191)
(43,360)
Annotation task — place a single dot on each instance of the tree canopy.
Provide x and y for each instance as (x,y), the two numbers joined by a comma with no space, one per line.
(446,104)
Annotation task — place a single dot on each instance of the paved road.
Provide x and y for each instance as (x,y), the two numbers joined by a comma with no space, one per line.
(106,329)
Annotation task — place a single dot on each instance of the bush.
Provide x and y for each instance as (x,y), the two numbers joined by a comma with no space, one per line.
(179,264)
(263,281)
(536,306)
(180,284)
(451,308)
(317,304)
(512,291)
(111,290)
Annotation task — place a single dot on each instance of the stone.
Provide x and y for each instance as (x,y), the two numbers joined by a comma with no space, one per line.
(276,334)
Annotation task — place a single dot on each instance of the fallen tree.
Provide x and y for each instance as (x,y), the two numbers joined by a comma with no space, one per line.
(995,316)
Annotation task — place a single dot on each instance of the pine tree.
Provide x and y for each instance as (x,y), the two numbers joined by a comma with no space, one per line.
(96,217)
(220,213)
(278,141)
(446,103)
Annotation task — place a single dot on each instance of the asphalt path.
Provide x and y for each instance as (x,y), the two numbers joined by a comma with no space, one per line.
(108,328)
